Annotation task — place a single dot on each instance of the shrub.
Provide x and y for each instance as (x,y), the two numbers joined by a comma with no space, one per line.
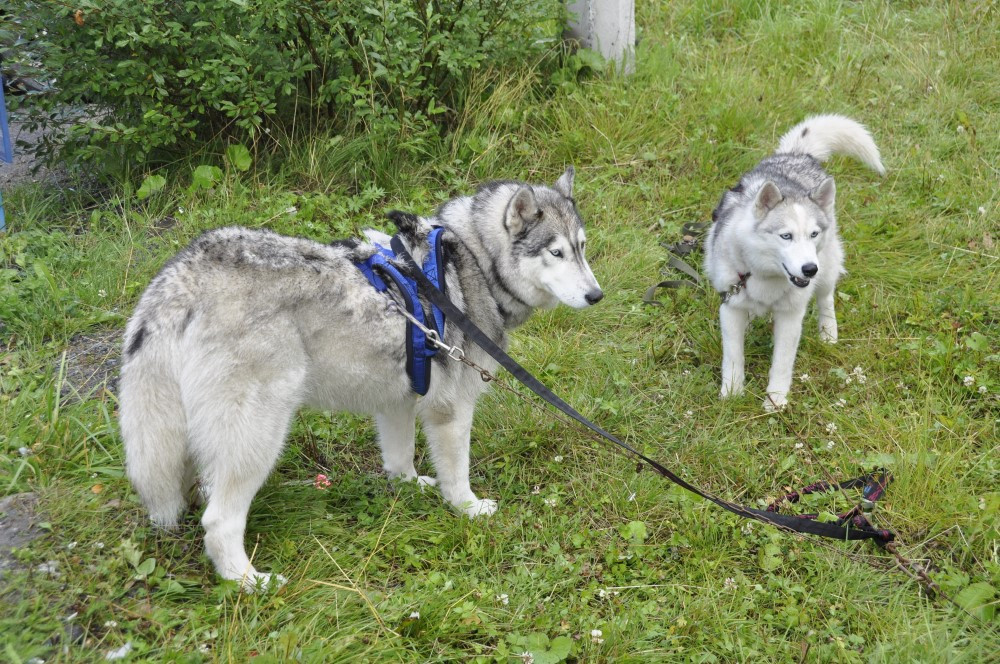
(169,74)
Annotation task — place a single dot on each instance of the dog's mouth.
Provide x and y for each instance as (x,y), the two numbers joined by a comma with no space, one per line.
(798,281)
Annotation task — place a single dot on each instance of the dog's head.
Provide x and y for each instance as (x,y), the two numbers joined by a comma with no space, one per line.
(546,241)
(794,229)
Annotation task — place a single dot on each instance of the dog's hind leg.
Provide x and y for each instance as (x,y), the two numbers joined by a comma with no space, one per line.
(787,331)
(154,431)
(826,313)
(396,435)
(448,429)
(237,432)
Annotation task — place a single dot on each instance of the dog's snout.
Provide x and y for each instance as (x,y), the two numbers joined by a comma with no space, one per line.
(810,270)
(594,296)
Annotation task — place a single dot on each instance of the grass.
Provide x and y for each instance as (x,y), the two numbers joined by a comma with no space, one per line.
(581,542)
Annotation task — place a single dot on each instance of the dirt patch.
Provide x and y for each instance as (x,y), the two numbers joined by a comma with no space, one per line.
(18,517)
(93,362)
(26,169)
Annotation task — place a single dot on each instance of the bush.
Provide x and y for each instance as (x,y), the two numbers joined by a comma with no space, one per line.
(172,73)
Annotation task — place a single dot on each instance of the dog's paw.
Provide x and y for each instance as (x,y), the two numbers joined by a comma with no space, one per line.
(730,390)
(425,481)
(828,334)
(259,582)
(775,401)
(479,507)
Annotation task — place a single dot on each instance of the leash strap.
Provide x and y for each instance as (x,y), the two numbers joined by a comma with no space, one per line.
(840,531)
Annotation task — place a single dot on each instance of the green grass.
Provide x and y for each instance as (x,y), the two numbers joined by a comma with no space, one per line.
(664,576)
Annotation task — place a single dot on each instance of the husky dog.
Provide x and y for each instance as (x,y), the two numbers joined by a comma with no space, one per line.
(243,327)
(774,244)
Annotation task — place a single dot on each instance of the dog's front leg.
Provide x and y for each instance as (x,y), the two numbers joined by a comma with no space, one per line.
(448,430)
(734,327)
(396,436)
(787,330)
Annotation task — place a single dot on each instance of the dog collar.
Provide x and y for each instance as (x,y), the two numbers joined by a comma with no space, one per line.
(736,288)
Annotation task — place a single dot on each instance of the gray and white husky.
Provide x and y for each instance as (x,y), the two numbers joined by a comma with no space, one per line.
(243,327)
(774,244)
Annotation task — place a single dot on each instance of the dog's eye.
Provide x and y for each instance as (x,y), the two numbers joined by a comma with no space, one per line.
(785,236)
(815,234)
(556,253)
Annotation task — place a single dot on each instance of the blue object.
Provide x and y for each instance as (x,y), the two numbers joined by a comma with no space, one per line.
(6,152)
(418,351)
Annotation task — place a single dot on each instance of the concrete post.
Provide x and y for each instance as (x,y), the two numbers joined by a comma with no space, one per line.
(606,26)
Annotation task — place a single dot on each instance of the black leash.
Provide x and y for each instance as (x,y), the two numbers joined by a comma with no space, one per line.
(849,529)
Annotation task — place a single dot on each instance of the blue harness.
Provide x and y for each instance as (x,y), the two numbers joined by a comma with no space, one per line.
(418,351)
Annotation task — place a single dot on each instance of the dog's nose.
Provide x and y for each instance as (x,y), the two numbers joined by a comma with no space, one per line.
(810,270)
(594,296)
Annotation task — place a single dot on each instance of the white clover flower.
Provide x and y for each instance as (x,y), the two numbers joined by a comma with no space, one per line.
(111,623)
(862,379)
(415,615)
(848,380)
(558,458)
(858,371)
(831,427)
(688,414)
(982,389)
(102,293)
(551,502)
(537,489)
(503,598)
(830,444)
(204,649)
(24,451)
(840,403)
(602,594)
(595,636)
(960,129)
(982,211)
(527,657)
(729,583)
(804,378)
(686,372)
(799,446)
(968,381)
(99,545)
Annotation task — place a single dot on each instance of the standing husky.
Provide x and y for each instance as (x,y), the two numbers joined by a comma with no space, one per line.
(774,243)
(243,327)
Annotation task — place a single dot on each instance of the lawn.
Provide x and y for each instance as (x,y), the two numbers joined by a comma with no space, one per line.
(586,559)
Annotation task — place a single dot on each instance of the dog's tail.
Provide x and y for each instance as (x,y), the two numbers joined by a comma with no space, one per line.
(154,427)
(823,135)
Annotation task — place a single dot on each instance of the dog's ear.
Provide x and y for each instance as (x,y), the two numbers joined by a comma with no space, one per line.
(522,210)
(564,185)
(406,222)
(825,194)
(767,198)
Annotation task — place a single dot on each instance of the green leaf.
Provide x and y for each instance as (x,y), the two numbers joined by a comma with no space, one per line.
(977,341)
(145,568)
(239,157)
(205,177)
(770,557)
(150,185)
(977,598)
(635,531)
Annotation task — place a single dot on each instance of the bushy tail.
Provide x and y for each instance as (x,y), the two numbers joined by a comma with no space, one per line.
(823,135)
(154,431)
